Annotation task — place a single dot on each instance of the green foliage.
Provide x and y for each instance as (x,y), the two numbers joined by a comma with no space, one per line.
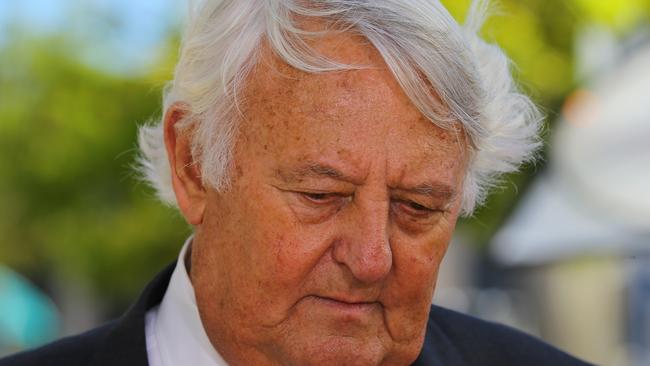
(71,203)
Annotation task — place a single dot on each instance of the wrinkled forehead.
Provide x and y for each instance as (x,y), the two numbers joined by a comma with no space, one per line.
(335,96)
(347,114)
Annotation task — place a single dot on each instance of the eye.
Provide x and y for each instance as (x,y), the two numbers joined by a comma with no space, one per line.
(415,210)
(418,207)
(321,198)
(317,197)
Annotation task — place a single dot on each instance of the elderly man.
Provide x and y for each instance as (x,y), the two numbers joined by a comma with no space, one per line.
(322,152)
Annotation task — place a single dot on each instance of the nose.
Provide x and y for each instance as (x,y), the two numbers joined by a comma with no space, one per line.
(364,248)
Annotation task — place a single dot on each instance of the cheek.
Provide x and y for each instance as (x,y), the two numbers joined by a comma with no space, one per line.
(282,252)
(420,269)
(297,262)
(409,292)
(252,266)
(416,270)
(282,263)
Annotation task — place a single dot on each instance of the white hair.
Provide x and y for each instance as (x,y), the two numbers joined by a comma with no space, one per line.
(429,53)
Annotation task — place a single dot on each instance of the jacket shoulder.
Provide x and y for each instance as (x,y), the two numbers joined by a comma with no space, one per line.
(479,342)
(69,351)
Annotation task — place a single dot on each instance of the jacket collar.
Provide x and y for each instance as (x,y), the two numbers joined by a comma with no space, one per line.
(125,342)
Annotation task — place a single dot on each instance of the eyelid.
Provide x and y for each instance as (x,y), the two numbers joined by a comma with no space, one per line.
(409,203)
(312,195)
(420,207)
(327,196)
(423,213)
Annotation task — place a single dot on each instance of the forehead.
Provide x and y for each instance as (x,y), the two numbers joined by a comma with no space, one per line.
(349,115)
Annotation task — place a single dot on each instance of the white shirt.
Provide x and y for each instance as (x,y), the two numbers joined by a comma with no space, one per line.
(173,329)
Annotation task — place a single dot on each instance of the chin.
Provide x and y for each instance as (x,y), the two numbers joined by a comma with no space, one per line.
(338,350)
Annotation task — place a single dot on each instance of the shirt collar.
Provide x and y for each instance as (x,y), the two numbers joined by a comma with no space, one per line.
(177,330)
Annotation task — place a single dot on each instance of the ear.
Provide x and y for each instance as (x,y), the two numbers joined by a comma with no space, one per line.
(186,174)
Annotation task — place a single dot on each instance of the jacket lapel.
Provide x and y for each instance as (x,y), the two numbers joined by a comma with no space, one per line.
(438,350)
(125,343)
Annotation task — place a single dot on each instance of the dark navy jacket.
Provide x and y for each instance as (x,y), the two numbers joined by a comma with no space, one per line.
(452,339)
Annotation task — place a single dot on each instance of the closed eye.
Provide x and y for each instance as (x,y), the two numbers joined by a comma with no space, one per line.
(322,198)
(415,209)
(418,207)
(317,197)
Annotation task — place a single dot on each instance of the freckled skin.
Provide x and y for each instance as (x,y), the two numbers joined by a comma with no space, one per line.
(265,255)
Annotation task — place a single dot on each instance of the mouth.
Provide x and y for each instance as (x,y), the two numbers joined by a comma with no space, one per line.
(347,307)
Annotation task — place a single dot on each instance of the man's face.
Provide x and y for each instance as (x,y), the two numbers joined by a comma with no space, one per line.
(325,250)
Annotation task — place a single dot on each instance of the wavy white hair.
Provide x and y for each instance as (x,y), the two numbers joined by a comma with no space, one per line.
(420,42)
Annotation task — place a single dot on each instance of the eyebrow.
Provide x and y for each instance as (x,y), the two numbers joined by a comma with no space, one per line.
(315,170)
(434,190)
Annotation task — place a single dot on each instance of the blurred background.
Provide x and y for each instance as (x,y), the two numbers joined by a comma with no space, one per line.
(561,250)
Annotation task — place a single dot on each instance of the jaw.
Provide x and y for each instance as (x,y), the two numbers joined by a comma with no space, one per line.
(333,350)
(329,342)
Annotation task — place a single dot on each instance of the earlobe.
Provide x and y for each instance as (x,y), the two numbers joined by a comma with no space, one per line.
(185,172)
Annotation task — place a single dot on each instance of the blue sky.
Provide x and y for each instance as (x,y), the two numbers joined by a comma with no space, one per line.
(129,31)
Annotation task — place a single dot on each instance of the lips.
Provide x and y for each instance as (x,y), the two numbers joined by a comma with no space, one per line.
(347,306)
